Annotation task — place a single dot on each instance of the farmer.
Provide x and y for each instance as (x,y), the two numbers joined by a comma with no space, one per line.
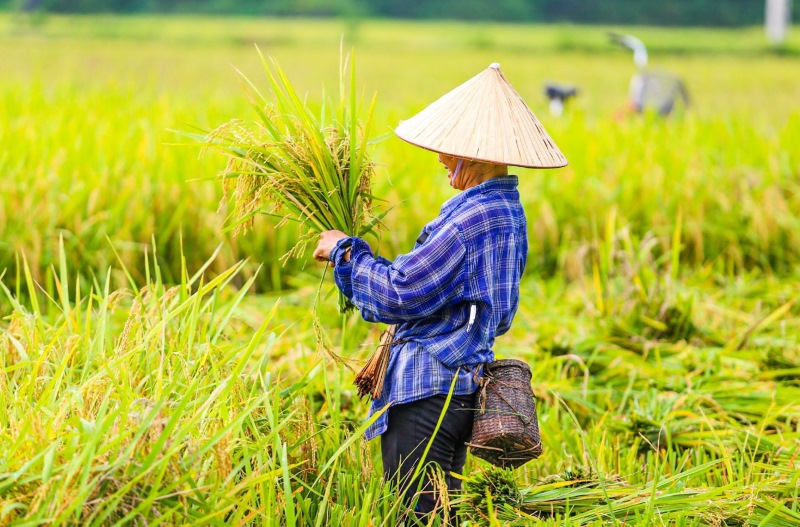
(459,287)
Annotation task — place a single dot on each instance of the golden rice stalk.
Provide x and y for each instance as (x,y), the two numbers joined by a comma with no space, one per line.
(313,169)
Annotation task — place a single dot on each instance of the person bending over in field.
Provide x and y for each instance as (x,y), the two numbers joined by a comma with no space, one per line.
(458,288)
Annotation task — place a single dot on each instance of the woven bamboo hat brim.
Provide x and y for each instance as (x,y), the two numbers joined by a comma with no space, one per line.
(484,119)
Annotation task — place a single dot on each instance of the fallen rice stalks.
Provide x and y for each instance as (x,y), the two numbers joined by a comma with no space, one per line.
(580,494)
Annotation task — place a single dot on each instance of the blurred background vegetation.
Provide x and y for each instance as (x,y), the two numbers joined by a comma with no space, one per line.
(673,13)
(88,102)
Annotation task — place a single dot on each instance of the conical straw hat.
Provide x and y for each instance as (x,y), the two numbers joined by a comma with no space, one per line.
(484,119)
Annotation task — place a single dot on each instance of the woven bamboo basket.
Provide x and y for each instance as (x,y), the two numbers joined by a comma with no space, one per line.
(506,430)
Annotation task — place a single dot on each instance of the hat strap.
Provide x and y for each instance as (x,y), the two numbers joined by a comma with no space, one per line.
(455,172)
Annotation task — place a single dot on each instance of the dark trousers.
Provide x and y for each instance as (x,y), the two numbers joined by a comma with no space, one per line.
(409,431)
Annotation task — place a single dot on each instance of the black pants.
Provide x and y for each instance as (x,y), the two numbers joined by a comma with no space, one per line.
(409,431)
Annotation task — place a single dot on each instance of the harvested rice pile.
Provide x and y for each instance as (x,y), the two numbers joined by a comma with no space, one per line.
(493,496)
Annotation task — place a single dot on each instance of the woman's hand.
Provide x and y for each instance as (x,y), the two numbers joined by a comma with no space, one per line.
(327,241)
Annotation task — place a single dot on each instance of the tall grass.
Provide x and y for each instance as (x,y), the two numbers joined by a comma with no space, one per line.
(200,404)
(160,404)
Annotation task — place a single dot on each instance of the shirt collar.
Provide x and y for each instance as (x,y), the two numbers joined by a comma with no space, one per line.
(501,183)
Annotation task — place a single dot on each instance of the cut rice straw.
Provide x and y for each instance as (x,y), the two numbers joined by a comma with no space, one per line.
(372,376)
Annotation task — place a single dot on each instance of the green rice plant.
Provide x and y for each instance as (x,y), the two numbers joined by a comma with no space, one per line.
(155,404)
(299,166)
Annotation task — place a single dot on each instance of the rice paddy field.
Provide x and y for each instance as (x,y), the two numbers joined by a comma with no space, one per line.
(155,370)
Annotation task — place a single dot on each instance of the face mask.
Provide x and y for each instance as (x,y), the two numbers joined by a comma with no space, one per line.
(455,173)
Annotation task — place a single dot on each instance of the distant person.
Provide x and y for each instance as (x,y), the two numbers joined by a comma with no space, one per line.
(458,289)
(558,95)
(656,91)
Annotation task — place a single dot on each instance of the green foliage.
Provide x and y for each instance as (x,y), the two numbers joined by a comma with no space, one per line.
(141,381)
(675,13)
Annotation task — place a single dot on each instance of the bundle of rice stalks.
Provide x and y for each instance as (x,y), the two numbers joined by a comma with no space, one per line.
(579,493)
(486,491)
(657,320)
(372,376)
(760,510)
(296,165)
(576,492)
(751,402)
(689,422)
(586,496)
(781,363)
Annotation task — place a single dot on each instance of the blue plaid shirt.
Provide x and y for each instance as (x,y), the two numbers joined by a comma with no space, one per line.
(450,297)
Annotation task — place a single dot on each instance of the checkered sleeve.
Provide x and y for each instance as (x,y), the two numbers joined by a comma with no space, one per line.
(414,286)
(342,270)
